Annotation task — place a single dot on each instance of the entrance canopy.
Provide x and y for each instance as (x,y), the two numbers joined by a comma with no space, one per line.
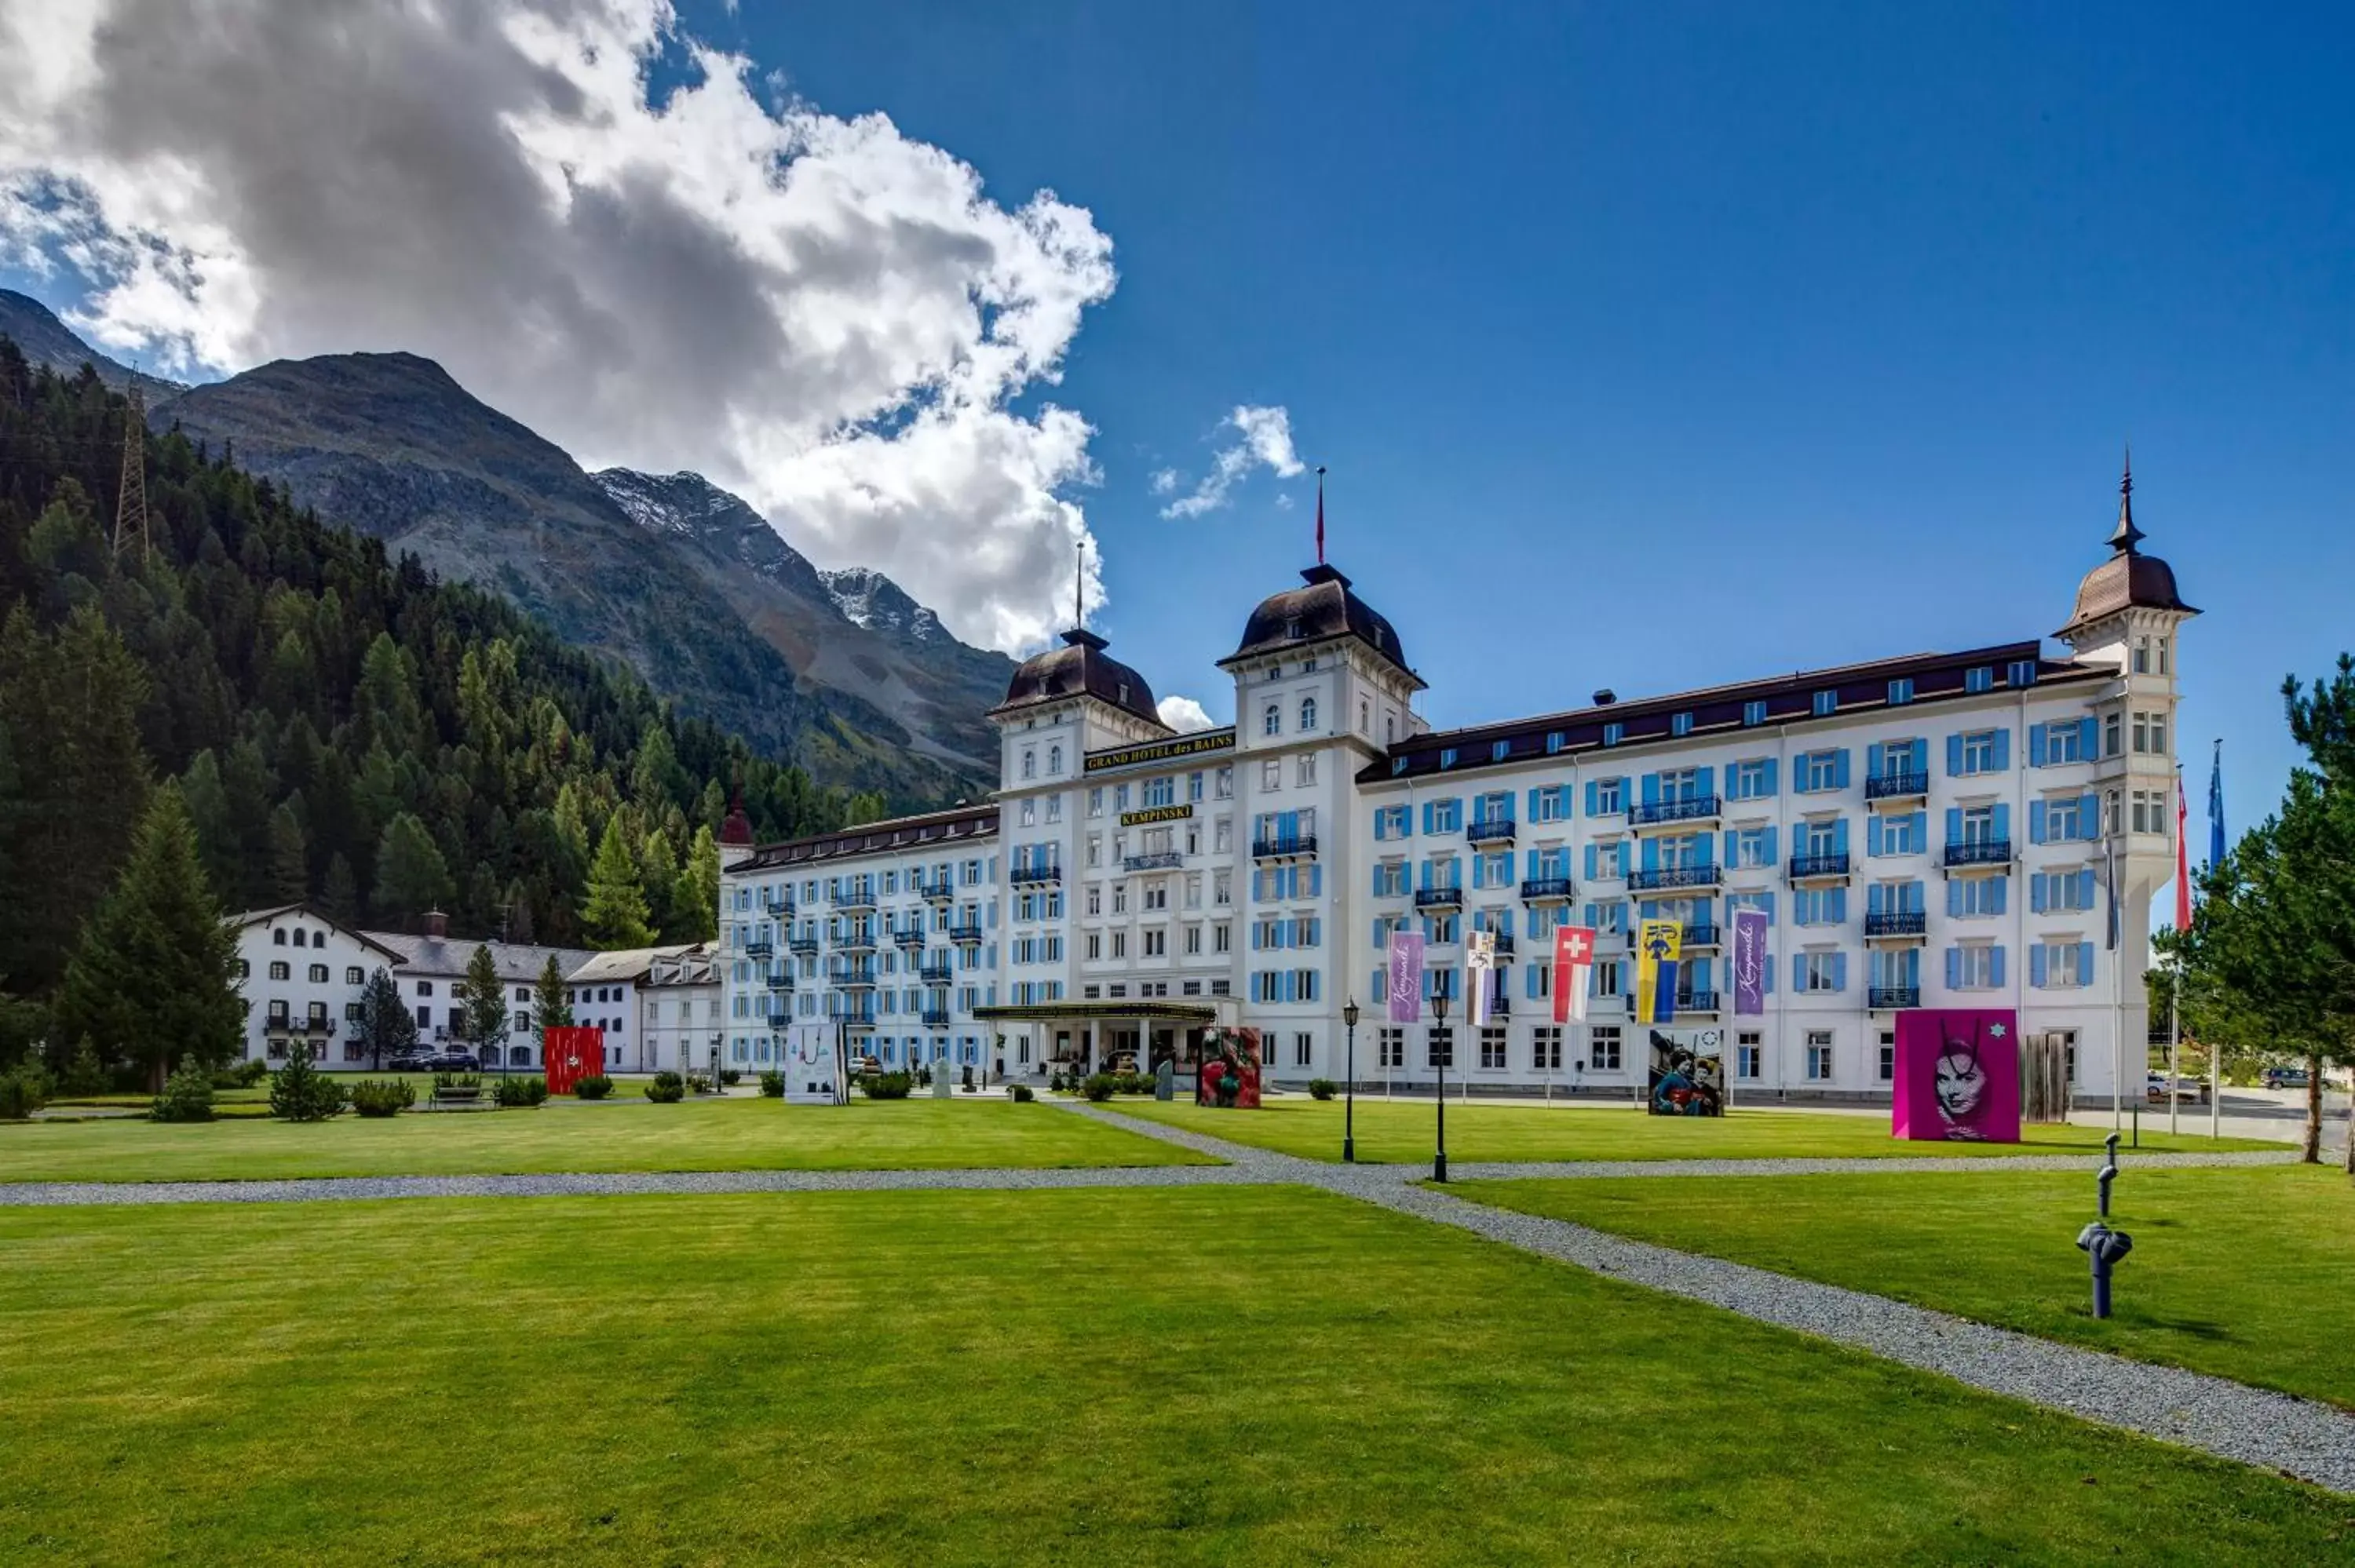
(1193,1013)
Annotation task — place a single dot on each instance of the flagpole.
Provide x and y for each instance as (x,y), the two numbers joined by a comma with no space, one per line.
(2117,1009)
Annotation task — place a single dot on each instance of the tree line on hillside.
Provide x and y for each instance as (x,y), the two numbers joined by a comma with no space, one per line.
(321,722)
(2268,961)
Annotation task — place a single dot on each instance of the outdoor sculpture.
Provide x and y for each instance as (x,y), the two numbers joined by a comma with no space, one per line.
(2103,1247)
(1230,1073)
(1165,1080)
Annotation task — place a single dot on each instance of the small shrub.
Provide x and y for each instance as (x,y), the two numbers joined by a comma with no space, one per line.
(1321,1088)
(457,1080)
(1023,1094)
(773,1085)
(520,1093)
(730,1076)
(595,1087)
(887,1085)
(244,1075)
(300,1092)
(668,1089)
(383,1096)
(1100,1086)
(85,1073)
(1055,1081)
(24,1089)
(187,1096)
(701,1083)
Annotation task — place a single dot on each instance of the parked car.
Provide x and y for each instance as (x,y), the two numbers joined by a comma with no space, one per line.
(452,1062)
(2284,1077)
(408,1061)
(2193,1091)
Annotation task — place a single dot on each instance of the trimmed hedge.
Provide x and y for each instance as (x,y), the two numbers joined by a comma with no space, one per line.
(595,1087)
(1321,1088)
(773,1085)
(516,1093)
(668,1089)
(383,1096)
(1023,1094)
(887,1085)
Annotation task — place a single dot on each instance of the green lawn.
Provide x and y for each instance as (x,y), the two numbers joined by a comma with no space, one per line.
(2242,1273)
(1255,1375)
(631,1088)
(709,1135)
(1400,1132)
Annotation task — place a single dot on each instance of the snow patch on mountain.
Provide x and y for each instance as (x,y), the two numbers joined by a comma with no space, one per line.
(868,599)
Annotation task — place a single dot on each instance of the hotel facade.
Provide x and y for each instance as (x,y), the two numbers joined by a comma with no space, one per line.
(1935,830)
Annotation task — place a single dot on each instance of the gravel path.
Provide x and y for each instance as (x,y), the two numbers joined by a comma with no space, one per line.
(2312,1441)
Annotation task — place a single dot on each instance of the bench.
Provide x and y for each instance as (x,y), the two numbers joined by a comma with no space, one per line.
(468,1097)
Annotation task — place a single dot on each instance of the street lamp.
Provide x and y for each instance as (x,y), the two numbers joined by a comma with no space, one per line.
(1444,1049)
(1349,1087)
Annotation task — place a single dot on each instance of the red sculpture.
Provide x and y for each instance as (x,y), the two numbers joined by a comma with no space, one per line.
(570,1055)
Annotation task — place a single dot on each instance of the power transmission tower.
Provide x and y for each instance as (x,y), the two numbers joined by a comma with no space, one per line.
(130,505)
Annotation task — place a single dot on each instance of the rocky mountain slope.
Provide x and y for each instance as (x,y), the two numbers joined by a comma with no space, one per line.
(46,340)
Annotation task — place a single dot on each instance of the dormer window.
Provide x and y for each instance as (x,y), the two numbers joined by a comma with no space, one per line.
(1292,629)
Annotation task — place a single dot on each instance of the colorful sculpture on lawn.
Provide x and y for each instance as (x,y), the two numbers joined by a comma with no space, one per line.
(1230,1073)
(1957,1075)
(570,1055)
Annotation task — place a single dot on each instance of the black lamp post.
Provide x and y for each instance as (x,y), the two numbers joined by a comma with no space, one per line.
(1442,1050)
(1349,1087)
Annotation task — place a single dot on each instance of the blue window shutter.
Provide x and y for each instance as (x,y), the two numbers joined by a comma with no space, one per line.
(1651,854)
(2036,751)
(1840,768)
(1651,795)
(1839,833)
(1954,824)
(1954,756)
(1530,859)
(1920,830)
(1875,897)
(1708,781)
(1996,960)
(2089,817)
(1774,767)
(1729,846)
(1798,971)
(1840,971)
(1590,914)
(1593,798)
(1840,906)
(2089,739)
(2003,819)
(1953,898)
(2036,898)
(1772,833)
(1381,824)
(2085,961)
(1534,792)
(2003,749)
(2036,822)
(1427,818)
(1954,968)
(1767,969)
(2085,889)
(2002,892)
(1875,761)
(1921,758)
(1590,857)
(2036,969)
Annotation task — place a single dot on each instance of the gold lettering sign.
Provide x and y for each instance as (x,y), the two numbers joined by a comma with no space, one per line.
(1156,814)
(1162,751)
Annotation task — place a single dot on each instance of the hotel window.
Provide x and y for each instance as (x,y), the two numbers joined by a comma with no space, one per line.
(281,970)
(1550,805)
(2142,656)
(2162,655)
(1223,783)
(1492,1050)
(1271,774)
(1609,797)
(1308,770)
(1825,704)
(1820,770)
(2021,672)
(1746,1053)
(1365,716)
(1120,944)
(1821,972)
(1978,752)
(1447,757)
(1976,967)
(1030,765)
(2062,965)
(353,976)
(1390,1043)
(1119,899)
(1030,813)
(1054,762)
(1500,750)
(1613,732)
(1680,724)
(1545,1055)
(1270,719)
(1223,940)
(2110,734)
(1754,712)
(1610,977)
(1749,779)
(1555,741)
(318,974)
(1901,691)
(1193,939)
(1157,944)
(2151,733)
(1054,809)
(2065,743)
(1194,785)
(1751,849)
(1972,895)
(1819,1056)
(1161,791)
(1609,857)
(1304,1050)
(1981,679)
(1602,1049)
(2149,809)
(1888,1065)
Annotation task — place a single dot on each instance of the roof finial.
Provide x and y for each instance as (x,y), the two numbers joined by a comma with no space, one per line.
(1320,514)
(1079,589)
(2125,536)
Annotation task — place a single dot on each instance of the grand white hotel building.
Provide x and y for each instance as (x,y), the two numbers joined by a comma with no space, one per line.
(1932,830)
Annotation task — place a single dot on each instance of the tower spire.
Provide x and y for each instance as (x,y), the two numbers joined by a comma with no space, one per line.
(1080,588)
(131,494)
(1320,514)
(2125,535)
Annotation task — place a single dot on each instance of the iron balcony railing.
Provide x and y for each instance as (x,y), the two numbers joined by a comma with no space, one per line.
(775,905)
(1493,830)
(757,951)
(1896,786)
(1159,860)
(1504,948)
(936,1018)
(1980,852)
(803,945)
(1653,813)
(1288,847)
(938,891)
(855,1020)
(1024,876)
(857,938)
(965,936)
(1703,876)
(1803,866)
(779,979)
(1901,923)
(909,939)
(1890,998)
(854,899)
(849,974)
(1439,898)
(1546,890)
(1696,1002)
(934,974)
(1701,934)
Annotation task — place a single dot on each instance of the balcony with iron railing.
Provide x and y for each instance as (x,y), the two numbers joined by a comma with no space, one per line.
(935,972)
(909,939)
(778,1018)
(855,939)
(936,1018)
(1657,813)
(804,946)
(1701,934)
(1697,1001)
(1158,859)
(777,906)
(1546,890)
(852,900)
(1490,831)
(1980,852)
(1892,997)
(1896,923)
(1289,846)
(1439,898)
(760,949)
(776,980)
(285,1023)
(1035,876)
(860,1018)
(940,890)
(1706,875)
(850,974)
(1818,867)
(965,934)
(1897,787)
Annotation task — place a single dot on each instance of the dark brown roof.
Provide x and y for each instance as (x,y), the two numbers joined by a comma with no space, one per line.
(1325,608)
(960,823)
(1080,667)
(1856,688)
(2128,580)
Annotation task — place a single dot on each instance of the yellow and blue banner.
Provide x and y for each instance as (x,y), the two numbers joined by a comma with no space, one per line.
(1658,944)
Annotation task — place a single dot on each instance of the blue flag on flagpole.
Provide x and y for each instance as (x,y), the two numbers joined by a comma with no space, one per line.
(2216,808)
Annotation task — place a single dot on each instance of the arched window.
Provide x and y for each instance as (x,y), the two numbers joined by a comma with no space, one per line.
(1271,721)
(277,939)
(1308,716)
(1030,765)
(1054,762)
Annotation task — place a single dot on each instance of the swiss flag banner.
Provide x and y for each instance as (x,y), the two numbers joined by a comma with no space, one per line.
(1573,959)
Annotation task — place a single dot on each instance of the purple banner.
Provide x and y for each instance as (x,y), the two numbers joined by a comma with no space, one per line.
(1406,977)
(1748,961)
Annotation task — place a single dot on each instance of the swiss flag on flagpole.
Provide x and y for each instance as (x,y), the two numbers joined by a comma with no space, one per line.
(2182,856)
(1574,960)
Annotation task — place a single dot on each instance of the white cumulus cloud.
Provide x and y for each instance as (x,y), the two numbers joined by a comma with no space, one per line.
(1183,714)
(819,312)
(1262,437)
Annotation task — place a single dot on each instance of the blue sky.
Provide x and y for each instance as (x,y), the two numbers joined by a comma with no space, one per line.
(1658,345)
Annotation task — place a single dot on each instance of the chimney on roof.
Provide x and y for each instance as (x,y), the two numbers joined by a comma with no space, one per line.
(1604,697)
(437,925)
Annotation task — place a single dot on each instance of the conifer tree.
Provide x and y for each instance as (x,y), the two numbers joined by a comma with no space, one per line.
(410,875)
(483,1004)
(697,900)
(289,871)
(339,897)
(551,1003)
(154,980)
(614,917)
(387,1027)
(300,1092)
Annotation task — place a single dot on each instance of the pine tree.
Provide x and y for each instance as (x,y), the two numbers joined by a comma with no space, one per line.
(551,1003)
(387,1028)
(410,875)
(339,897)
(155,977)
(697,897)
(615,916)
(300,1092)
(483,1004)
(290,869)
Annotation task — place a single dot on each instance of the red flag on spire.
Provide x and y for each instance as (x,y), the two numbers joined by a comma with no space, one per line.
(1320,514)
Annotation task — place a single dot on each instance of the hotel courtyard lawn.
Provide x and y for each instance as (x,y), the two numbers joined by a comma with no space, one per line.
(2242,1273)
(1398,1132)
(709,1135)
(1252,1374)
